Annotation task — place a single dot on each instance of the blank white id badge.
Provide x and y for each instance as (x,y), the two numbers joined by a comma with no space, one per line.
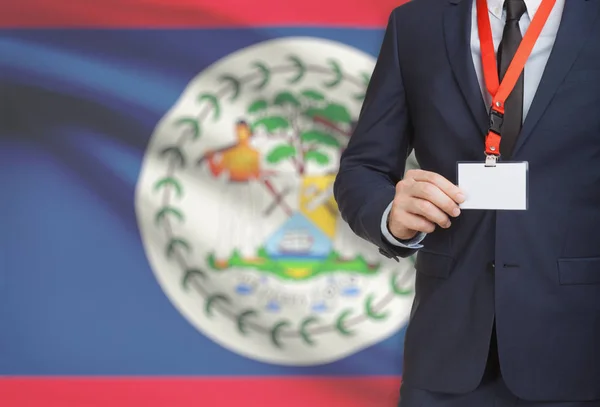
(501,187)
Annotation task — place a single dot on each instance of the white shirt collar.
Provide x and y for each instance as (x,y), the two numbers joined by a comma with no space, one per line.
(496,7)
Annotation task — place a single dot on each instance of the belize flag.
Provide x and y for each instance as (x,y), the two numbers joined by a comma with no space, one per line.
(168,234)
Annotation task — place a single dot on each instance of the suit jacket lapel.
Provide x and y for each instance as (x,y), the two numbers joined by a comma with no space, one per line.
(577,21)
(457,33)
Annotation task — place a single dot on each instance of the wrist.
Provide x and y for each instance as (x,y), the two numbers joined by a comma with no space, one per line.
(402,235)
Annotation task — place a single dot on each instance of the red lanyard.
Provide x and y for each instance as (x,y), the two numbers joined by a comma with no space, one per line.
(501,91)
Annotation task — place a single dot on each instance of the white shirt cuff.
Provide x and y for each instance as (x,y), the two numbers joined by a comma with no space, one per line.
(413,243)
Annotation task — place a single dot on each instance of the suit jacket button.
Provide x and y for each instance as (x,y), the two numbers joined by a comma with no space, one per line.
(385,253)
(388,254)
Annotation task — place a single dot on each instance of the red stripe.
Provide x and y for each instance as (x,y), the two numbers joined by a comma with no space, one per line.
(194,13)
(188,392)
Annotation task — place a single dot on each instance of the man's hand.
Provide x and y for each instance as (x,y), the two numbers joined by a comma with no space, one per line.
(423,200)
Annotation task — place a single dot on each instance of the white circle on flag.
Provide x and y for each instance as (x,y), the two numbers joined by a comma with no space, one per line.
(236,210)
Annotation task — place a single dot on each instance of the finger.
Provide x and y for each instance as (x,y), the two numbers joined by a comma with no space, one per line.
(429,211)
(442,183)
(414,222)
(431,193)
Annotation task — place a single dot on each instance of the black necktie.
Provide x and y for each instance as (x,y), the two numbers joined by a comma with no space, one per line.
(513,107)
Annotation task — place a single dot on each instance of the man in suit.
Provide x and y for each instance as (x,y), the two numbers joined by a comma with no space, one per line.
(507,303)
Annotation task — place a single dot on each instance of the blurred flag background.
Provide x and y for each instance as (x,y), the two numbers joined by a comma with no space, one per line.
(168,233)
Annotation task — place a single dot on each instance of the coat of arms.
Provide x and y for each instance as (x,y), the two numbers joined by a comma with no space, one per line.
(237,213)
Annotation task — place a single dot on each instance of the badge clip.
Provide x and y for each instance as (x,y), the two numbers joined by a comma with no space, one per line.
(490,160)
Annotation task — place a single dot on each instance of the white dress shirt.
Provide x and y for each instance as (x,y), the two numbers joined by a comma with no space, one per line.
(534,68)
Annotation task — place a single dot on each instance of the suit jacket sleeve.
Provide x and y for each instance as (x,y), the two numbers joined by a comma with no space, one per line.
(375,158)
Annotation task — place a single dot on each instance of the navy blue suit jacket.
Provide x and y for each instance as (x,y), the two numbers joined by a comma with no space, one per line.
(544,290)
